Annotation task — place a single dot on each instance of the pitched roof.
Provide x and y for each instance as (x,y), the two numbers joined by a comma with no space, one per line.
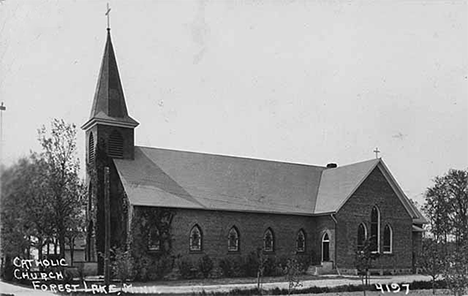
(180,179)
(109,102)
(339,183)
(169,178)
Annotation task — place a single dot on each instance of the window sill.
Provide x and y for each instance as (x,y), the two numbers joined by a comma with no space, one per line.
(196,251)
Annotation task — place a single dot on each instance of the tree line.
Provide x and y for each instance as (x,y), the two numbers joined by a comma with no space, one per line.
(43,199)
(445,243)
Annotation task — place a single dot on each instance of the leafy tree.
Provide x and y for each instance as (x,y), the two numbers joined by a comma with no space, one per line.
(292,270)
(123,265)
(431,260)
(62,166)
(75,225)
(42,196)
(446,206)
(25,209)
(363,259)
(456,271)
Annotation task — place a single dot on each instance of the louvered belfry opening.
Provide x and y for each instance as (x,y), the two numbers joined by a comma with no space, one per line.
(115,145)
(91,148)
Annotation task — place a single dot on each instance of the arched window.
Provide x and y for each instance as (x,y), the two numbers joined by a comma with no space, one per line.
(196,238)
(154,242)
(91,148)
(268,240)
(115,145)
(387,239)
(233,240)
(325,247)
(361,236)
(300,241)
(375,229)
(90,199)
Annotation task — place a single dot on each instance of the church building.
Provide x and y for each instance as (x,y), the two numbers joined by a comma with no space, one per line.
(168,206)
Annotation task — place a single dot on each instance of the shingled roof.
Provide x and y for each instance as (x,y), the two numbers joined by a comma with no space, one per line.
(109,101)
(180,179)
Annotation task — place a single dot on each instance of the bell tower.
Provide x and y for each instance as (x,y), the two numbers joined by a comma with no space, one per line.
(109,134)
(109,123)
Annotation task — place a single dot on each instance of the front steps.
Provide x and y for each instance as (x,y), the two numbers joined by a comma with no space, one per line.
(324,268)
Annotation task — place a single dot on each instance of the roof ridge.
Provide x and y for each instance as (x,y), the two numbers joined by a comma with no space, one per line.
(234,156)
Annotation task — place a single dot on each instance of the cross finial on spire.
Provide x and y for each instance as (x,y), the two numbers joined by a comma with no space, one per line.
(376,151)
(108,16)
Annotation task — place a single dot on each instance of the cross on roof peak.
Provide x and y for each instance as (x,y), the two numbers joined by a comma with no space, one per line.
(108,16)
(376,151)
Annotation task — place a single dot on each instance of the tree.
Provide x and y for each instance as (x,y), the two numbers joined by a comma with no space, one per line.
(262,260)
(42,196)
(446,206)
(26,209)
(292,271)
(431,260)
(122,265)
(363,259)
(456,271)
(75,225)
(62,166)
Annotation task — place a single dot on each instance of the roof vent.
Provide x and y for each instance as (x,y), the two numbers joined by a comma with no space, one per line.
(332,165)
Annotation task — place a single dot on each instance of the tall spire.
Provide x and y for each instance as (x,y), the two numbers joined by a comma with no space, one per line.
(109,102)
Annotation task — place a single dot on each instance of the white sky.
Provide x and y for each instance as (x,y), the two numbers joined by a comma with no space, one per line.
(298,81)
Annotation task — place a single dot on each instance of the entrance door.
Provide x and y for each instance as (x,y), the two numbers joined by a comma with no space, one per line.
(325,247)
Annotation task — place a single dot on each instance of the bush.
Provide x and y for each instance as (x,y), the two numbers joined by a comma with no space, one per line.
(233,266)
(226,266)
(304,261)
(122,265)
(188,270)
(205,265)
(270,267)
(251,264)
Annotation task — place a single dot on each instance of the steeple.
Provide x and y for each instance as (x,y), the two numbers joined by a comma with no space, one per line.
(109,126)
(109,106)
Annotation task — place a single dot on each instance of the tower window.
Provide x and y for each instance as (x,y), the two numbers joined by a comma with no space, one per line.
(91,148)
(115,145)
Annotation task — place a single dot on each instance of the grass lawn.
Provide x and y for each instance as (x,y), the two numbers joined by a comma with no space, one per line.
(376,293)
(224,281)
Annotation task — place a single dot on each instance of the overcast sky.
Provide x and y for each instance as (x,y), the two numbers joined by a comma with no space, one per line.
(297,81)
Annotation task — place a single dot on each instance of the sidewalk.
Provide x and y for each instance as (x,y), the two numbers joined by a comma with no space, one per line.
(9,289)
(326,281)
(155,288)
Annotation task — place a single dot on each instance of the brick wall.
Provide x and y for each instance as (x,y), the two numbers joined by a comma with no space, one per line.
(215,226)
(375,190)
(322,225)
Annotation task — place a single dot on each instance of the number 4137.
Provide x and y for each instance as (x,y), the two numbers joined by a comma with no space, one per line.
(395,288)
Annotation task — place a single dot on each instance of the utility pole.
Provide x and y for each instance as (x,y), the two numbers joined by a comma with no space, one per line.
(107,229)
(2,261)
